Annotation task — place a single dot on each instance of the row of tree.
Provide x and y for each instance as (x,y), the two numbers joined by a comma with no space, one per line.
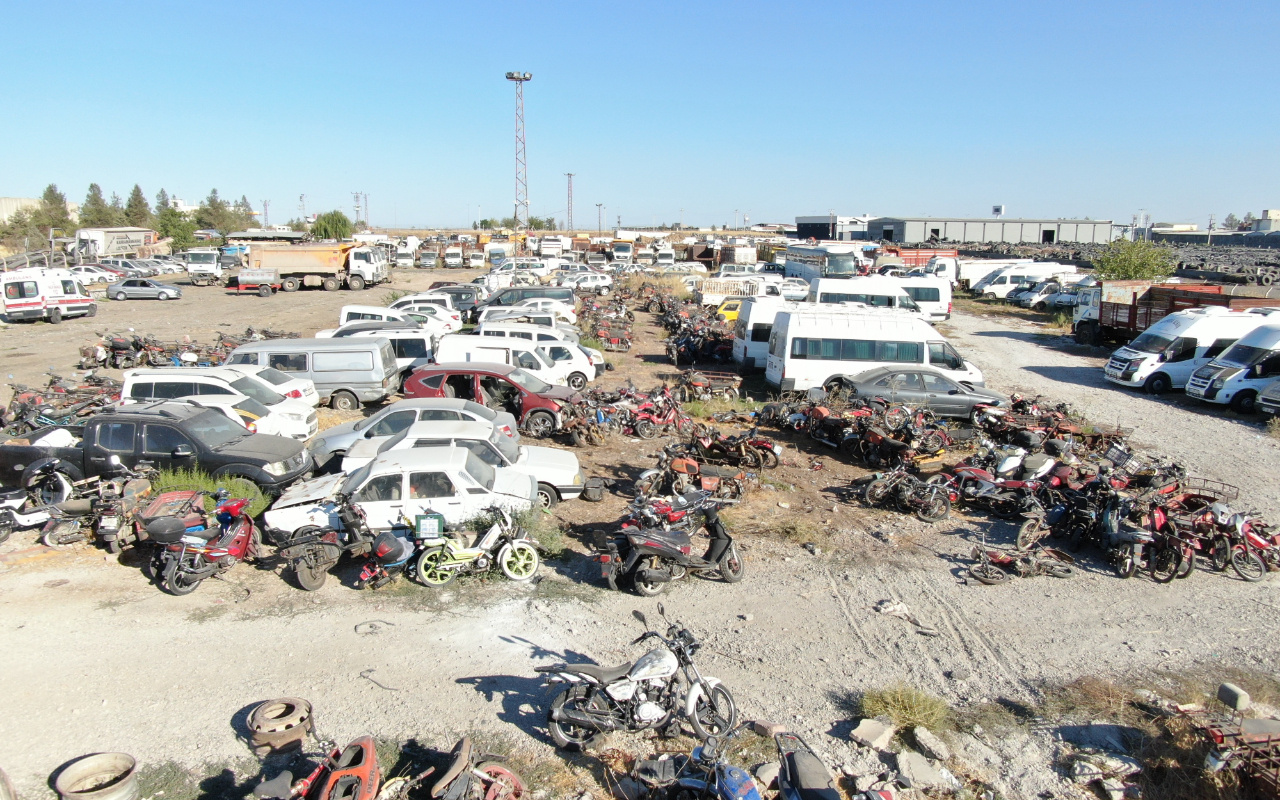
(535,224)
(1233,223)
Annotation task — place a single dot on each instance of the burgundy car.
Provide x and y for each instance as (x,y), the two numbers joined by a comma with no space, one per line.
(531,400)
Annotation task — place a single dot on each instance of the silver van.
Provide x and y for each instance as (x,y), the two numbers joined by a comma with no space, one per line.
(346,372)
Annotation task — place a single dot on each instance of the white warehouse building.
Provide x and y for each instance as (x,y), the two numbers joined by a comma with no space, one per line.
(993,229)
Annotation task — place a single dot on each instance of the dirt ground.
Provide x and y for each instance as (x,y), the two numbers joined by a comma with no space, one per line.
(96,659)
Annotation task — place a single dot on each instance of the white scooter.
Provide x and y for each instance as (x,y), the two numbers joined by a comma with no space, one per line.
(12,502)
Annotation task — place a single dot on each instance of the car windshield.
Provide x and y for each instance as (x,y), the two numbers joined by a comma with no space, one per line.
(480,471)
(528,382)
(248,386)
(355,478)
(841,265)
(214,429)
(273,376)
(202,258)
(250,406)
(1243,355)
(1151,343)
(509,449)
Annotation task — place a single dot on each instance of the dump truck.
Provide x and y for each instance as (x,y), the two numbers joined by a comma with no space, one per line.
(1120,310)
(329,265)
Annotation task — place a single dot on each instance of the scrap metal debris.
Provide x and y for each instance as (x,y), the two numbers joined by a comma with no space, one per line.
(897,608)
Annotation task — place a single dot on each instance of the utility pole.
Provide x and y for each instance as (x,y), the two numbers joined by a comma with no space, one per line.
(831,213)
(1209,239)
(266,220)
(569,223)
(599,218)
(735,219)
(522,176)
(366,209)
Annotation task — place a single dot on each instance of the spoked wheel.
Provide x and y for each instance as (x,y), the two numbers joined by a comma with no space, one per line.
(429,571)
(1247,564)
(1220,553)
(732,567)
(1031,532)
(1127,563)
(64,534)
(518,561)
(505,783)
(895,417)
(1165,562)
(769,458)
(714,712)
(1057,569)
(645,429)
(934,504)
(989,574)
(566,735)
(877,491)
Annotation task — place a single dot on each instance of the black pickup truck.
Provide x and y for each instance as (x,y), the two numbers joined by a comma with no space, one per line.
(169,435)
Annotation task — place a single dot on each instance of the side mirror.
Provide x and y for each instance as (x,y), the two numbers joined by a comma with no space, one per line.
(183,451)
(954,391)
(662,612)
(1162,357)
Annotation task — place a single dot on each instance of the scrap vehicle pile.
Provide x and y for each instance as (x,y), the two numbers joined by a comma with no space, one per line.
(128,350)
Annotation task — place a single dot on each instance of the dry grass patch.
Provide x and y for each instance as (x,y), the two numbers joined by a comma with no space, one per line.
(907,706)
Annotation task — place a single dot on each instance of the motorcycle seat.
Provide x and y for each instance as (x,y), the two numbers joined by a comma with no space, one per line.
(712,471)
(278,787)
(460,759)
(76,508)
(810,776)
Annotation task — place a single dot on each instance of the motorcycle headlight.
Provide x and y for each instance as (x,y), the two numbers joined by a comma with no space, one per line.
(276,468)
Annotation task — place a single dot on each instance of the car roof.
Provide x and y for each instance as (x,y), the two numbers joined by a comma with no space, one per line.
(471,366)
(294,345)
(462,428)
(421,457)
(377,325)
(178,411)
(229,373)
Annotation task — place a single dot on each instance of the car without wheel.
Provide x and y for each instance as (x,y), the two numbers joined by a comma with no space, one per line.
(500,387)
(919,386)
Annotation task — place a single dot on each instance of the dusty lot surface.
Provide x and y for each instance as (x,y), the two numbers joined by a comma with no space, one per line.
(96,659)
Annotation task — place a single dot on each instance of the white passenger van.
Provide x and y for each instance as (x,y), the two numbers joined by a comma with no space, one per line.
(933,295)
(1236,376)
(1167,353)
(530,357)
(999,284)
(821,348)
(755,323)
(528,330)
(39,293)
(876,291)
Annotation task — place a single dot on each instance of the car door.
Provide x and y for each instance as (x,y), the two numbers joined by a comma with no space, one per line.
(391,423)
(382,499)
(167,447)
(901,387)
(110,439)
(945,397)
(435,491)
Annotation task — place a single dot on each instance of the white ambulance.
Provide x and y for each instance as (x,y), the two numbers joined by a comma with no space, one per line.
(45,293)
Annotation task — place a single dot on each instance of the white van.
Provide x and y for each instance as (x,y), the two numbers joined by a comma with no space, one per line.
(527,330)
(475,259)
(516,352)
(877,291)
(370,314)
(821,348)
(755,321)
(1167,353)
(933,295)
(1241,372)
(999,284)
(39,293)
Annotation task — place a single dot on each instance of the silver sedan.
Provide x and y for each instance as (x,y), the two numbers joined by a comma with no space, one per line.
(142,289)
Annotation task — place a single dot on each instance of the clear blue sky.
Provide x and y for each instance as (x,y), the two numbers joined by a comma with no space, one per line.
(1053,109)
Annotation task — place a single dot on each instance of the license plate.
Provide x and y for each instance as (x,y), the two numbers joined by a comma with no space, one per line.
(109,524)
(1195,391)
(1112,373)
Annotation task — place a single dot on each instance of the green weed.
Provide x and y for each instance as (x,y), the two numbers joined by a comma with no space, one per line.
(197,480)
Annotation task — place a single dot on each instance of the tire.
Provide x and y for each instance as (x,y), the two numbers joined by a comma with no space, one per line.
(931,442)
(540,424)
(1220,553)
(936,507)
(174,582)
(343,400)
(1005,509)
(1059,570)
(518,561)
(646,484)
(55,488)
(162,296)
(714,713)
(989,296)
(309,576)
(290,285)
(1039,306)
(1247,564)
(6,530)
(1128,563)
(153,568)
(55,316)
(877,491)
(989,574)
(331,284)
(732,567)
(1165,562)
(895,417)
(769,459)
(645,429)
(569,737)
(1087,334)
(121,296)
(1030,533)
(1243,403)
(1158,384)
(507,783)
(60,536)
(647,589)
(355,283)
(577,381)
(547,496)
(428,572)
(1186,566)
(264,290)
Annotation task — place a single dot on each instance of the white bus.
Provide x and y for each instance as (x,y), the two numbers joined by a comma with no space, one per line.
(755,323)
(933,295)
(878,291)
(824,348)
(810,262)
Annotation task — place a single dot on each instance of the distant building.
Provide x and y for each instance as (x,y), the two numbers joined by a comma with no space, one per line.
(1269,221)
(12,205)
(832,227)
(912,230)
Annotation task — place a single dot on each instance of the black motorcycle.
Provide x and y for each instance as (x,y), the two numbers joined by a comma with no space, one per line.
(314,550)
(647,559)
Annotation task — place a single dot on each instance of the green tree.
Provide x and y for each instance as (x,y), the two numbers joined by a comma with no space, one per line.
(94,211)
(173,224)
(1140,260)
(137,212)
(241,217)
(331,225)
(1231,222)
(118,218)
(53,210)
(162,201)
(298,225)
(1248,220)
(22,232)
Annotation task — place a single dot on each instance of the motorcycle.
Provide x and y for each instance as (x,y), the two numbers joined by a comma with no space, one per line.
(929,502)
(649,558)
(473,776)
(647,693)
(348,773)
(121,499)
(392,554)
(1244,541)
(446,556)
(12,503)
(680,473)
(703,773)
(313,550)
(185,557)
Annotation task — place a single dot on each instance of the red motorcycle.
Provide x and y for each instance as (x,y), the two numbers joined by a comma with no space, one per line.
(1244,541)
(185,555)
(660,413)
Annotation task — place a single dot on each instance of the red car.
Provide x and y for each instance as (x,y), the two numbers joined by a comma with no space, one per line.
(498,386)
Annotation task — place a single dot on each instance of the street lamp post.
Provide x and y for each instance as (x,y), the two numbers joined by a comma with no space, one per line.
(599,218)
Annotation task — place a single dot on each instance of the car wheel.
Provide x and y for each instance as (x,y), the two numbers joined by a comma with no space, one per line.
(344,401)
(55,315)
(547,496)
(289,285)
(355,283)
(93,311)
(121,296)
(540,424)
(577,381)
(1158,384)
(162,295)
(1243,403)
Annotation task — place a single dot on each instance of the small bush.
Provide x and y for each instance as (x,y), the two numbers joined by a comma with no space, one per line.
(1063,319)
(544,530)
(1273,427)
(702,409)
(197,480)
(907,707)
(392,296)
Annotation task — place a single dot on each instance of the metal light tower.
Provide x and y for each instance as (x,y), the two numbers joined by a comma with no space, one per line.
(522,177)
(599,218)
(569,223)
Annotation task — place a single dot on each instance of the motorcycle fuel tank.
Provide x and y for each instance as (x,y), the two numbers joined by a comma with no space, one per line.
(657,663)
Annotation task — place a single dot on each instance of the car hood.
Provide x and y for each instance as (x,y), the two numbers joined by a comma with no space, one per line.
(308,492)
(561,394)
(264,446)
(515,483)
(549,462)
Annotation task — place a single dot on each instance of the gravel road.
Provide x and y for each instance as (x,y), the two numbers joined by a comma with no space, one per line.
(95,659)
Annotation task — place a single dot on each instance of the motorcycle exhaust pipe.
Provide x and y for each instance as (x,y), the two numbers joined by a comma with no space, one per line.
(653,576)
(584,720)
